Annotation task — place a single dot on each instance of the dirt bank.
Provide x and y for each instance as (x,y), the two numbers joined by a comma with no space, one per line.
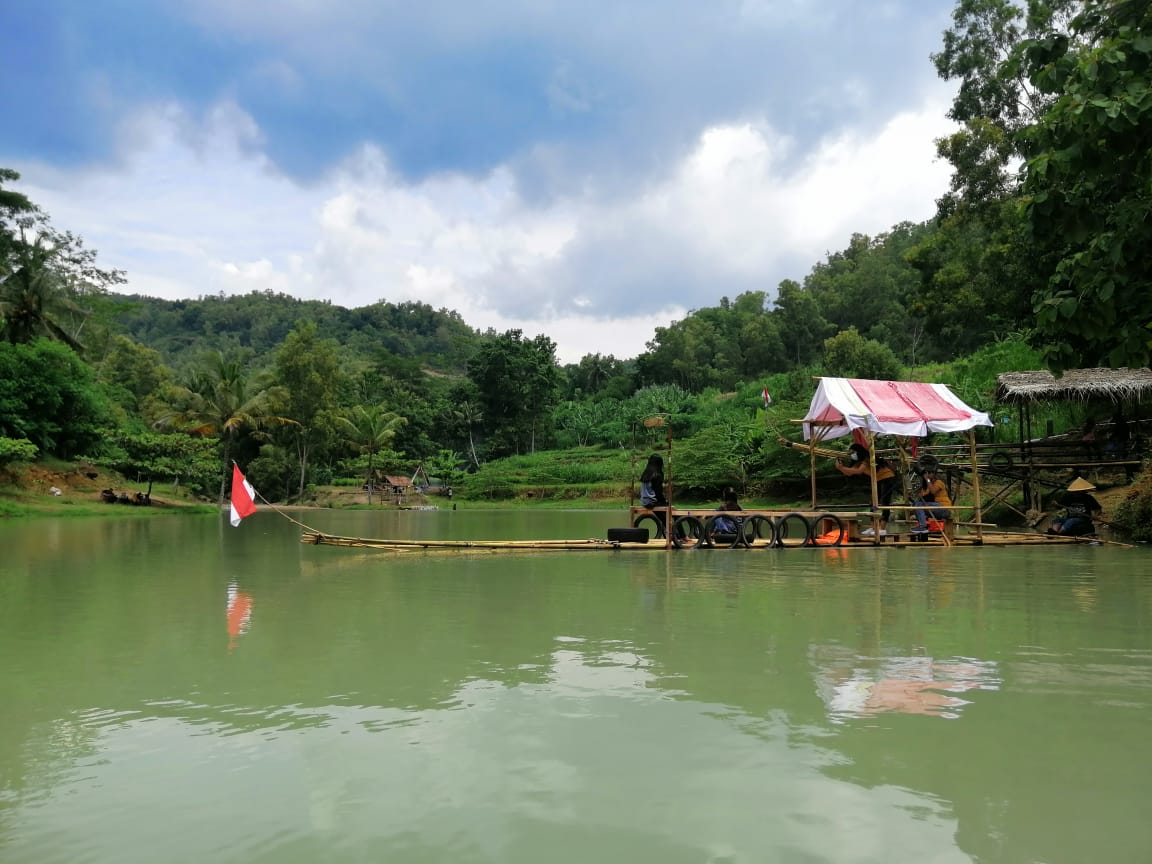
(49,487)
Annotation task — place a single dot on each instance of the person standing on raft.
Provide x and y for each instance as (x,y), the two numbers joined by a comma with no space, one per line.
(858,464)
(652,483)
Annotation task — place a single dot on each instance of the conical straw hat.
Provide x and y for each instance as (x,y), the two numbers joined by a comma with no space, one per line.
(1080,485)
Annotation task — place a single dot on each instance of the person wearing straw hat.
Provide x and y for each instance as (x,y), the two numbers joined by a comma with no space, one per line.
(1080,507)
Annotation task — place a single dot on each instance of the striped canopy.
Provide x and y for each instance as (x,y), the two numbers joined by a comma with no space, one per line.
(887,408)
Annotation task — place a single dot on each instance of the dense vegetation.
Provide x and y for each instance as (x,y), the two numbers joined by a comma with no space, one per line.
(1037,256)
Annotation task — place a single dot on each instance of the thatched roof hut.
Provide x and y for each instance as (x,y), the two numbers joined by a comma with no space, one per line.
(1083,385)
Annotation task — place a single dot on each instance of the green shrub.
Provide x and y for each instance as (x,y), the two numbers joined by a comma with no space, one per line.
(17,450)
(1134,515)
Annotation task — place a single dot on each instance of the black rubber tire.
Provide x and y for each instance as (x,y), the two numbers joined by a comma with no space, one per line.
(760,528)
(793,531)
(1001,461)
(746,535)
(687,533)
(628,535)
(656,520)
(725,540)
(826,523)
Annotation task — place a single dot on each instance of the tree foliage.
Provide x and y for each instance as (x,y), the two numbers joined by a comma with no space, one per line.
(170,457)
(850,355)
(134,373)
(717,346)
(1088,183)
(46,275)
(16,450)
(49,396)
(222,400)
(1063,86)
(308,372)
(517,383)
(370,429)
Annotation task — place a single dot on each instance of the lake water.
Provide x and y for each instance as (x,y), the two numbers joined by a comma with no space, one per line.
(173,689)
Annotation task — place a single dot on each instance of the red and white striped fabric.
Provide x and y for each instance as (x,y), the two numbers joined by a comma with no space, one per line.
(243,497)
(910,408)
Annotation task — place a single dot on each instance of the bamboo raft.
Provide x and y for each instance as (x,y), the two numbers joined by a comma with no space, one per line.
(990,538)
(315,538)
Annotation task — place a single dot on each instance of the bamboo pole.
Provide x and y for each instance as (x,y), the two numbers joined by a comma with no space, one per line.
(976,483)
(812,474)
(668,521)
(318,539)
(871,437)
(819,451)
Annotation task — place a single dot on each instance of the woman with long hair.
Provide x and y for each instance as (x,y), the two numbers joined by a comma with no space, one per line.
(652,483)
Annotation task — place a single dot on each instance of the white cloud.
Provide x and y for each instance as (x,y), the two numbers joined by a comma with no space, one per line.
(194,207)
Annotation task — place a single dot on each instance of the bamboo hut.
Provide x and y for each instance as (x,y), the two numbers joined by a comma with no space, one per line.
(1120,443)
(1115,385)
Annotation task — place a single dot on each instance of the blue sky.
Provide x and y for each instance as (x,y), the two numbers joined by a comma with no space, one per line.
(587,170)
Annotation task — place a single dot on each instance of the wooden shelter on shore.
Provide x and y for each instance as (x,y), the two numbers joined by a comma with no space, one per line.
(1044,462)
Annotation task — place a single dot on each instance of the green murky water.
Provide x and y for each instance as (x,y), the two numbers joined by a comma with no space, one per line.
(173,689)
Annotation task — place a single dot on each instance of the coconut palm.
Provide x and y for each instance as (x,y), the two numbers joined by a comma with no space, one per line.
(33,300)
(470,415)
(219,401)
(371,429)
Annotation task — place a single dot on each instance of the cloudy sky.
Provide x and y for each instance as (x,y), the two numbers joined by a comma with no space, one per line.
(589,170)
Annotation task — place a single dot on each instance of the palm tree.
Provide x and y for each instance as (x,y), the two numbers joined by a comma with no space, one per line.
(33,298)
(220,402)
(370,430)
(470,415)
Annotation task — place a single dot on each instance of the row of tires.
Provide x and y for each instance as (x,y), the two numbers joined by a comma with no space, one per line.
(786,531)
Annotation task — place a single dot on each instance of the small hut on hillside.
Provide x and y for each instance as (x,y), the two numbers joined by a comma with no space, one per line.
(399,484)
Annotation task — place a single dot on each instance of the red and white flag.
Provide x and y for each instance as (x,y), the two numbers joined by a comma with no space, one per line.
(243,497)
(767,398)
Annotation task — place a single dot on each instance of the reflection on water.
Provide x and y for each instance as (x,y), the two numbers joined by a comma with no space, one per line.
(854,687)
(595,760)
(238,613)
(508,708)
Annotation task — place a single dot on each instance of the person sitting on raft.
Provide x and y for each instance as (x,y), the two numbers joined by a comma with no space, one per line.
(858,464)
(934,492)
(727,524)
(1080,508)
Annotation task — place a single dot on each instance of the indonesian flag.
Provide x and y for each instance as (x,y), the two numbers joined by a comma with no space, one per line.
(767,398)
(243,497)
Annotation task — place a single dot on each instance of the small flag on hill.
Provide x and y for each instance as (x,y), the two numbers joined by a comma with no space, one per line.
(767,397)
(243,497)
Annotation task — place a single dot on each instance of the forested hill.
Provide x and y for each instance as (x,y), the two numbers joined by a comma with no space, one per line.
(182,330)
